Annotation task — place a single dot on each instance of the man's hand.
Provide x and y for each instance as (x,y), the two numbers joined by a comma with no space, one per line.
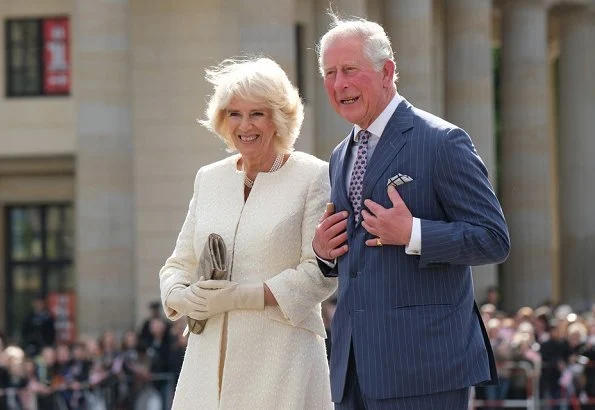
(393,225)
(331,235)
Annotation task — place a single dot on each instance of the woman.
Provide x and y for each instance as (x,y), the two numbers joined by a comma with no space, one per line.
(263,345)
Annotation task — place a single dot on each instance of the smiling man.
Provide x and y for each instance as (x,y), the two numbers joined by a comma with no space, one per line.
(414,211)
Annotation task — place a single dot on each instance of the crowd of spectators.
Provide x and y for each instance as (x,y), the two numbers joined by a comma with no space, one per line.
(137,372)
(552,344)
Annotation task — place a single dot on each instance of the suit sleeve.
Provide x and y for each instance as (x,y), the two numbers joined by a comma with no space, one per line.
(301,290)
(179,267)
(474,232)
(328,271)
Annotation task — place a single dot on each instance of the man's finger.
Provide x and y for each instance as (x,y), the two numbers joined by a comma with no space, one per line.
(394,196)
(372,230)
(328,211)
(335,253)
(337,240)
(370,222)
(373,207)
(336,229)
(372,242)
(333,219)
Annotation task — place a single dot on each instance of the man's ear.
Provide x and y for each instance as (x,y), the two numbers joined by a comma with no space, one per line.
(388,73)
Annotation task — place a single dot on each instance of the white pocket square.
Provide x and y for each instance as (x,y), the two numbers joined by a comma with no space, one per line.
(398,179)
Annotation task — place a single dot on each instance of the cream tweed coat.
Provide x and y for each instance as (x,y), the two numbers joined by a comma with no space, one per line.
(274,359)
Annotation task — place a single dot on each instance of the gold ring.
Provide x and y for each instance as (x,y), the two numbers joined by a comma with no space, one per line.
(378,242)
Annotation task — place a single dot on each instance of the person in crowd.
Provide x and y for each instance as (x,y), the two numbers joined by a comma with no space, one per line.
(38,330)
(554,356)
(492,297)
(46,363)
(158,352)
(590,353)
(541,323)
(155,312)
(108,344)
(3,365)
(414,211)
(524,314)
(177,349)
(263,344)
(13,379)
(503,356)
(574,377)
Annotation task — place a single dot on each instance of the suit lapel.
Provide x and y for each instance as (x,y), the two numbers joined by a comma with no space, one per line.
(390,144)
(344,152)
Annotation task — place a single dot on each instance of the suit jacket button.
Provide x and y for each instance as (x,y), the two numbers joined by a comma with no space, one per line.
(353,274)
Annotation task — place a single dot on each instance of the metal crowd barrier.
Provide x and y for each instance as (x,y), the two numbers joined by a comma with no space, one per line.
(531,376)
(103,396)
(568,400)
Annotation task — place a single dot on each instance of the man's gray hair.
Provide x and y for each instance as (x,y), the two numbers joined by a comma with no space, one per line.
(377,47)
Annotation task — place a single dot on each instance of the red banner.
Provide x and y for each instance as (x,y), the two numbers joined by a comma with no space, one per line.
(62,306)
(56,56)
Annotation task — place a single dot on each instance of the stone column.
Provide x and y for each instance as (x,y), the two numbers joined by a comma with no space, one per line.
(329,127)
(269,30)
(438,58)
(576,90)
(409,25)
(104,268)
(470,91)
(526,155)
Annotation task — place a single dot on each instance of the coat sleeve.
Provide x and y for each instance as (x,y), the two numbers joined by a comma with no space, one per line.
(474,232)
(300,291)
(179,268)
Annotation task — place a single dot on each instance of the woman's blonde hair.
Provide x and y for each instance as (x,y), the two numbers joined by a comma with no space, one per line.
(260,80)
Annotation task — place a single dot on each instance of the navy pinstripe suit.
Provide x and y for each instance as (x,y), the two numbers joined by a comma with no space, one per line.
(412,320)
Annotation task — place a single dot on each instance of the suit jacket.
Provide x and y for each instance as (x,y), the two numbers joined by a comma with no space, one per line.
(412,320)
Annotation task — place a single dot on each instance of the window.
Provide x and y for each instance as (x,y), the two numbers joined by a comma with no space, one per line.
(39,261)
(37,57)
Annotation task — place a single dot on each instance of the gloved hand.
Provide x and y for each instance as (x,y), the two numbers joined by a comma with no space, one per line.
(186,301)
(219,296)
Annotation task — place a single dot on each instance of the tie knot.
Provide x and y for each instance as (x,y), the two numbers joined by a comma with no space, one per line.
(362,137)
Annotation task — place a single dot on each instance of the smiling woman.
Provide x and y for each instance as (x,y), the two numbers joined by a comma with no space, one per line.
(259,81)
(255,110)
(265,202)
(252,130)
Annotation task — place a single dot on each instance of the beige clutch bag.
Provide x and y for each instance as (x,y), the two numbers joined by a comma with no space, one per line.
(212,264)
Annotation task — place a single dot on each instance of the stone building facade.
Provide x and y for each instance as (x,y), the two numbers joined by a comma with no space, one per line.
(115,155)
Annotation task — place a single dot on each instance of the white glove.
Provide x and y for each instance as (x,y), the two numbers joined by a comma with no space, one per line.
(219,296)
(186,301)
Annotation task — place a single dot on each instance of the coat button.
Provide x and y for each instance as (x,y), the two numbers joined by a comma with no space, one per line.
(353,274)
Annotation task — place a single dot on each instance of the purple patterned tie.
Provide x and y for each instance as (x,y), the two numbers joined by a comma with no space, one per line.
(357,175)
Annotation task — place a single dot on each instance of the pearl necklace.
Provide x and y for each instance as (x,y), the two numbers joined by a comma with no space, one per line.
(276,165)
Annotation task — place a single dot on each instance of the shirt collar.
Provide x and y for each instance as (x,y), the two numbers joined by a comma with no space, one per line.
(379,124)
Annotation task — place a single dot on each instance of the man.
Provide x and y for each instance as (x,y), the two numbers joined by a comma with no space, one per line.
(145,335)
(38,327)
(414,210)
